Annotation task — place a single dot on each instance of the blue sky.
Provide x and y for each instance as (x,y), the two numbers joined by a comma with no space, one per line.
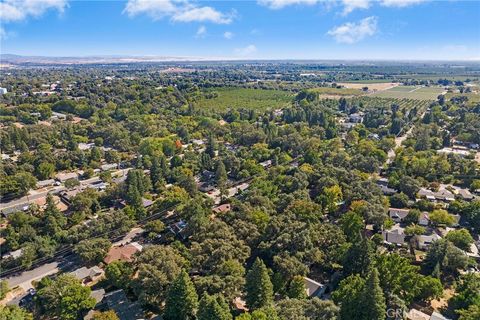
(264,29)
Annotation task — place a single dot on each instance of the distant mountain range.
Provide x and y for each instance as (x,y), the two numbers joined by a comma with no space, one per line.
(19,60)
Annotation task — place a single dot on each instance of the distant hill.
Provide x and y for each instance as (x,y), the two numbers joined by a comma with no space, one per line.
(18,59)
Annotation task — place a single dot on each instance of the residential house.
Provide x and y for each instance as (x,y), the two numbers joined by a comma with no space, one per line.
(424,219)
(100,185)
(67,195)
(314,288)
(85,146)
(207,175)
(414,314)
(98,295)
(442,194)
(266,164)
(123,253)
(146,202)
(86,275)
(45,183)
(13,254)
(123,307)
(395,236)
(355,118)
(424,241)
(223,208)
(64,176)
(206,187)
(178,228)
(382,183)
(463,194)
(437,316)
(58,116)
(398,215)
(110,166)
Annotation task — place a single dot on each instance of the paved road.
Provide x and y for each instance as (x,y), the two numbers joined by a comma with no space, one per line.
(24,280)
(34,195)
(399,140)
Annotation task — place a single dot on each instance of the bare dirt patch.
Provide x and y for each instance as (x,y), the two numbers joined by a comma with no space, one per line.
(371,86)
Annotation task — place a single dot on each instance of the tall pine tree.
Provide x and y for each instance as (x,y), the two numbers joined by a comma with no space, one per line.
(258,287)
(211,146)
(296,289)
(182,299)
(213,308)
(221,178)
(373,305)
(359,258)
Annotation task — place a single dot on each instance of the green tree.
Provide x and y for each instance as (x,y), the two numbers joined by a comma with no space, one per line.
(182,300)
(221,177)
(430,288)
(409,186)
(213,308)
(106,315)
(359,257)
(211,146)
(441,217)
(71,183)
(306,309)
(45,170)
(472,313)
(65,298)
(444,254)
(258,286)
(3,289)
(460,238)
(154,228)
(414,230)
(157,268)
(373,306)
(118,274)
(412,216)
(349,295)
(13,312)
(331,197)
(352,225)
(467,292)
(93,251)
(106,176)
(297,288)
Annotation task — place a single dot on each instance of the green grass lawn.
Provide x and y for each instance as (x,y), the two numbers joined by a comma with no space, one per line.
(236,98)
(474,97)
(411,92)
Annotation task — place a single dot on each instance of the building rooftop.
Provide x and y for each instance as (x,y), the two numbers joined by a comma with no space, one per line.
(123,253)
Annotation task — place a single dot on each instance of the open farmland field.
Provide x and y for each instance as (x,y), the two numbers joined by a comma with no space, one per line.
(411,92)
(260,99)
(375,86)
(472,96)
(336,93)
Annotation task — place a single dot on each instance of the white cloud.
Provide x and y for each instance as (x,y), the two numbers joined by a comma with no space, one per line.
(201,32)
(18,10)
(228,35)
(352,32)
(246,51)
(177,10)
(279,4)
(350,5)
(400,3)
